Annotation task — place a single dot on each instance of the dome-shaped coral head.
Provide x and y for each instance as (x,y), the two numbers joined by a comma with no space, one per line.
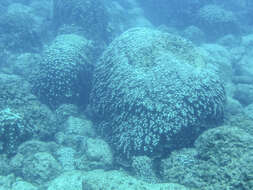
(64,72)
(153,92)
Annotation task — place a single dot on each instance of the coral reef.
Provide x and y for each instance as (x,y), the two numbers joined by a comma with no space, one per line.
(182,12)
(63,75)
(66,157)
(5,167)
(25,63)
(18,31)
(40,167)
(22,185)
(194,34)
(13,131)
(15,93)
(90,15)
(104,180)
(181,167)
(74,131)
(89,101)
(220,160)
(143,168)
(97,155)
(153,92)
(220,57)
(216,21)
(244,94)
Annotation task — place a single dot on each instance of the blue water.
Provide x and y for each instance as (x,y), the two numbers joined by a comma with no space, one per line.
(126,94)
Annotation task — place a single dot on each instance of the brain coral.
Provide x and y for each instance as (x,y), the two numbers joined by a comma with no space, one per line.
(64,71)
(152,90)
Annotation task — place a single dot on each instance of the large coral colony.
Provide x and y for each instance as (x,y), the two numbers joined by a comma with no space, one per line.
(125,93)
(150,89)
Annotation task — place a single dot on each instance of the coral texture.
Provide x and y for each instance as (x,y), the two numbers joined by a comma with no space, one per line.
(18,32)
(13,131)
(90,16)
(216,20)
(153,91)
(64,71)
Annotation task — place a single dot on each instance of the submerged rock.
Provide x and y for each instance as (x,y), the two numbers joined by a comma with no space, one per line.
(40,167)
(104,180)
(97,154)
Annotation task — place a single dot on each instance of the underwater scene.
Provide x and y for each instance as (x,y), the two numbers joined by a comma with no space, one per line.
(126,95)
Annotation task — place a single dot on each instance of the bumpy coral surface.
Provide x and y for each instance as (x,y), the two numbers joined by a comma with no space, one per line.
(90,15)
(216,20)
(64,72)
(40,167)
(220,160)
(104,180)
(13,131)
(15,93)
(18,32)
(152,91)
(214,14)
